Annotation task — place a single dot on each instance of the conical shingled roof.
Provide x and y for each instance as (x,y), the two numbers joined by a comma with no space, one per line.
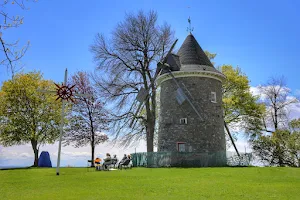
(190,52)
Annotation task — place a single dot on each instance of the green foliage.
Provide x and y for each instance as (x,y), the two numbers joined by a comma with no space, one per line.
(281,148)
(210,56)
(148,183)
(28,115)
(295,124)
(240,105)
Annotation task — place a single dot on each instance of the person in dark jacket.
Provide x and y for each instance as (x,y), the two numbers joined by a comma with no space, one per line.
(114,160)
(124,158)
(107,161)
(122,161)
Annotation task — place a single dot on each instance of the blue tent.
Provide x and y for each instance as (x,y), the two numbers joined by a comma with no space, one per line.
(44,160)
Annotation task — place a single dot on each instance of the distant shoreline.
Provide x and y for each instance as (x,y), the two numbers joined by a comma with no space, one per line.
(13,167)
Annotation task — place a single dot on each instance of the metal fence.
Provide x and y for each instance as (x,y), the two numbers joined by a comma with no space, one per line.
(189,159)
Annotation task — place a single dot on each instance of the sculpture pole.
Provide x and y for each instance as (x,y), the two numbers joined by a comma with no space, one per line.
(61,127)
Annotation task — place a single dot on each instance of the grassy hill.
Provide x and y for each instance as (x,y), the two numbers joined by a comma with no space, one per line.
(145,183)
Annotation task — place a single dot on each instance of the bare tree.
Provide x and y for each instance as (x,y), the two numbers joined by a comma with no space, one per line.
(279,147)
(277,97)
(11,52)
(88,118)
(127,63)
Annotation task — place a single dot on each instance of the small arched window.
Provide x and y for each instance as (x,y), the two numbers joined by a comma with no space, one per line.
(213,97)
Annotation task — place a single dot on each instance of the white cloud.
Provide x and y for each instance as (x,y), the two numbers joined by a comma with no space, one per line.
(69,155)
(255,91)
(293,109)
(20,152)
(242,146)
(77,154)
(26,155)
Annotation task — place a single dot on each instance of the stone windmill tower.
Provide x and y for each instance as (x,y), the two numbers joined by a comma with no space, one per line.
(191,115)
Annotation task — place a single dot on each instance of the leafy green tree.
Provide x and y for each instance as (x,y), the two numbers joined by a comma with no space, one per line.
(241,107)
(210,56)
(27,115)
(294,142)
(281,148)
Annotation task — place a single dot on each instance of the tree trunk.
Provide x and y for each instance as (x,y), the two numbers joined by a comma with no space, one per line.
(280,155)
(276,120)
(93,137)
(93,152)
(36,152)
(149,128)
(150,140)
(93,147)
(150,136)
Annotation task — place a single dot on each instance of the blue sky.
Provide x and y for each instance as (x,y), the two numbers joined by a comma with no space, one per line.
(261,37)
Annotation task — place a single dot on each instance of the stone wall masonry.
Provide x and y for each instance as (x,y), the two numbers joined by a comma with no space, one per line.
(199,136)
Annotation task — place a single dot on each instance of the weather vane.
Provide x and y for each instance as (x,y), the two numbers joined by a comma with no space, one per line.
(190,28)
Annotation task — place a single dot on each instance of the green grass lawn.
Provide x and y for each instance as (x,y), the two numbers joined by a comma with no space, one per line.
(144,183)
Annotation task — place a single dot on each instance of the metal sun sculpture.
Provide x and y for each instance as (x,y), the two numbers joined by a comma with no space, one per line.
(65,92)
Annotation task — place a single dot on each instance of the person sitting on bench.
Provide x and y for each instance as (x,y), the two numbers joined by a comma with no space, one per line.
(114,160)
(97,163)
(107,161)
(126,163)
(123,160)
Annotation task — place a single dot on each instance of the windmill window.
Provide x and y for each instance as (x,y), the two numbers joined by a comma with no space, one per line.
(183,121)
(213,97)
(181,146)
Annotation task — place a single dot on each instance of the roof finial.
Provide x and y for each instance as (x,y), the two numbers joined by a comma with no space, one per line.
(190,28)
